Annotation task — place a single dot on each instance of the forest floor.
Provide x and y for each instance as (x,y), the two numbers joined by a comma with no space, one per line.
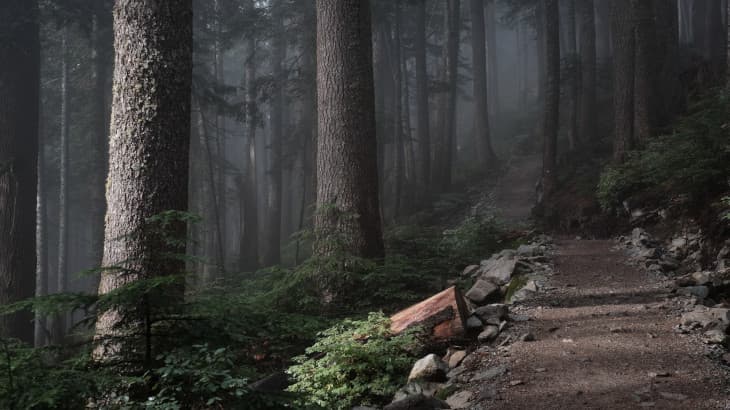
(604,332)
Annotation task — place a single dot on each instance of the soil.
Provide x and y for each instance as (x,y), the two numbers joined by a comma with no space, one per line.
(605,340)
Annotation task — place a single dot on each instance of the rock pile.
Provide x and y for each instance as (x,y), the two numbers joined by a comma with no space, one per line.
(512,275)
(650,253)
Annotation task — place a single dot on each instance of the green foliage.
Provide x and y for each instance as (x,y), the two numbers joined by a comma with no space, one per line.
(692,161)
(354,362)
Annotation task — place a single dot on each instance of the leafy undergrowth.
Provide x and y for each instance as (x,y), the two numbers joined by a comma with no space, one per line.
(206,349)
(688,166)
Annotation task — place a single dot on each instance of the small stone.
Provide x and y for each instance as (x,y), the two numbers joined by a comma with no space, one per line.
(567,341)
(482,292)
(514,383)
(514,317)
(654,375)
(488,334)
(456,358)
(430,368)
(490,373)
(460,400)
(673,396)
(527,337)
(715,336)
(726,358)
(473,323)
(540,370)
(494,311)
(470,270)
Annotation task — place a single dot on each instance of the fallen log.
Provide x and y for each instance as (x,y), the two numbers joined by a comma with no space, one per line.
(442,315)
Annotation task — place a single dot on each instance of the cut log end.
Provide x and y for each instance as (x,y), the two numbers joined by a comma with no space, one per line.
(442,315)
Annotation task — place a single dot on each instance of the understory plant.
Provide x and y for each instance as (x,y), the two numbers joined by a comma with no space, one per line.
(356,362)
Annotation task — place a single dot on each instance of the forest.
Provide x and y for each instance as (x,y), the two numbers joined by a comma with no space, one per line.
(364,204)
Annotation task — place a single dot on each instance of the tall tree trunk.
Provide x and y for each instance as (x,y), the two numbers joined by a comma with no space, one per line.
(19,92)
(443,157)
(574,74)
(588,117)
(670,96)
(422,109)
(482,140)
(646,69)
(492,63)
(540,46)
(272,249)
(622,27)
(603,32)
(59,328)
(347,183)
(552,95)
(41,280)
(727,45)
(249,244)
(148,148)
(400,157)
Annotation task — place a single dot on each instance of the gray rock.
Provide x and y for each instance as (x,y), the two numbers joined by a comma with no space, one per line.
(470,270)
(527,250)
(430,368)
(490,374)
(649,253)
(700,292)
(456,358)
(715,336)
(482,292)
(418,402)
(704,317)
(701,278)
(428,389)
(460,400)
(473,323)
(488,313)
(488,334)
(498,270)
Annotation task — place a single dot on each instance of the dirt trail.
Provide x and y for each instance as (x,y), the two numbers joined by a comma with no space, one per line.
(602,334)
(515,194)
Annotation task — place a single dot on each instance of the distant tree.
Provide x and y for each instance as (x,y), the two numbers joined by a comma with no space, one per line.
(646,69)
(149,147)
(347,183)
(622,29)
(19,107)
(587,63)
(551,112)
(482,139)
(422,96)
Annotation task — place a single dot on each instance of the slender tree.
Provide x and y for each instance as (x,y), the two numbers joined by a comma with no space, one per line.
(249,243)
(149,148)
(588,115)
(422,108)
(19,93)
(551,112)
(492,63)
(646,68)
(347,183)
(482,139)
(622,29)
(573,73)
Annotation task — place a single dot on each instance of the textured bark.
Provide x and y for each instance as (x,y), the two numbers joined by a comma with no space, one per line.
(551,113)
(482,140)
(422,110)
(646,69)
(400,156)
(41,280)
(727,44)
(272,249)
(588,118)
(19,91)
(622,27)
(148,148)
(347,183)
(574,78)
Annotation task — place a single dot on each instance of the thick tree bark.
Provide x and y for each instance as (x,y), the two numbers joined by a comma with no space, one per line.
(574,74)
(400,156)
(622,26)
(347,183)
(422,109)
(551,113)
(148,148)
(669,93)
(482,139)
(19,92)
(588,118)
(646,69)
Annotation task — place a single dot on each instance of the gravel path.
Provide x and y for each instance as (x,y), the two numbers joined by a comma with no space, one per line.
(604,340)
